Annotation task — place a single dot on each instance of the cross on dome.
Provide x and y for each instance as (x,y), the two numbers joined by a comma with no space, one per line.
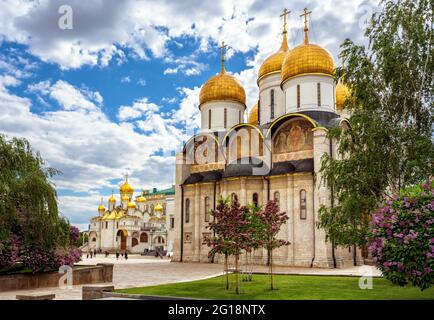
(306,29)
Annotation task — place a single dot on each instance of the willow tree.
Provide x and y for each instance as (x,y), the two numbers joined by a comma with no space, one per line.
(28,204)
(389,144)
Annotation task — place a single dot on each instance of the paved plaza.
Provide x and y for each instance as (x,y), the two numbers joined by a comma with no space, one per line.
(140,271)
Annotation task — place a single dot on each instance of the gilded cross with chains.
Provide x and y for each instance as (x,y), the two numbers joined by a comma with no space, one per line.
(284,14)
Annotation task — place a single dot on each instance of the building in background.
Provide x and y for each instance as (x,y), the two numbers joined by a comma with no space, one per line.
(138,225)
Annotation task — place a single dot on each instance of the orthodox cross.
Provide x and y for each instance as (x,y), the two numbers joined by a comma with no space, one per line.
(223,47)
(306,29)
(284,14)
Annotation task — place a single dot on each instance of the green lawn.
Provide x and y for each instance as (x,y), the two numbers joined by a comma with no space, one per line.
(288,287)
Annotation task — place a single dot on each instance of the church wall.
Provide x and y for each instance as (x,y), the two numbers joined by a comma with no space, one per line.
(217,114)
(265,85)
(309,93)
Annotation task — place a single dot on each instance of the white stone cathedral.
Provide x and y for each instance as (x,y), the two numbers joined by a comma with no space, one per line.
(275,155)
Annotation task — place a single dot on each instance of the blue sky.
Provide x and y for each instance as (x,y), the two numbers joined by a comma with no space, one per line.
(119,91)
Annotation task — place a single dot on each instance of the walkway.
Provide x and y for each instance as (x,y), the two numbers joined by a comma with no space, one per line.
(140,271)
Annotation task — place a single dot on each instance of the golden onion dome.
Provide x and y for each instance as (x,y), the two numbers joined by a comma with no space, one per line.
(131,205)
(307,58)
(158,207)
(112,199)
(253,115)
(125,198)
(273,64)
(101,207)
(126,187)
(223,86)
(141,199)
(342,93)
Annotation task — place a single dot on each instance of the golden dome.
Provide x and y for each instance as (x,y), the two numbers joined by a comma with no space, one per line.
(125,198)
(141,199)
(342,93)
(126,187)
(101,207)
(253,115)
(273,64)
(112,199)
(307,58)
(158,207)
(222,87)
(131,205)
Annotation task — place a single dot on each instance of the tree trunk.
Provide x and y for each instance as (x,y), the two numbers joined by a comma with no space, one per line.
(237,288)
(226,271)
(271,269)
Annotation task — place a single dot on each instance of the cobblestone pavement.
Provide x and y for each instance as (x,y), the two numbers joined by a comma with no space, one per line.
(140,271)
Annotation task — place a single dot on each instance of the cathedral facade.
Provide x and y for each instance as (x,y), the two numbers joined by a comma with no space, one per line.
(276,154)
(139,225)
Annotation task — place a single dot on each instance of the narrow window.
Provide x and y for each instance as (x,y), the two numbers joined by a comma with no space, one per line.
(172,222)
(152,209)
(303,212)
(239,147)
(318,89)
(207,209)
(225,117)
(277,198)
(272,103)
(187,210)
(259,111)
(239,116)
(255,199)
(298,96)
(209,119)
(106,225)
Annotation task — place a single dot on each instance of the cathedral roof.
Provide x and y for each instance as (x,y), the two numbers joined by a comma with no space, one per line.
(253,115)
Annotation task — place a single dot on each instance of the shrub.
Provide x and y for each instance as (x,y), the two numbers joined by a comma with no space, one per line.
(402,237)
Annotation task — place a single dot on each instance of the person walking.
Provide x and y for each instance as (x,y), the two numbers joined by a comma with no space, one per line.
(126,255)
(117,255)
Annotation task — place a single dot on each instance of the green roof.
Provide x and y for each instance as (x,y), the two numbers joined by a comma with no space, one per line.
(155,191)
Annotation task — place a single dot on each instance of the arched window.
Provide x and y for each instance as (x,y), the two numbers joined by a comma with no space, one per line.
(152,208)
(106,225)
(134,242)
(144,237)
(298,96)
(272,103)
(225,117)
(318,93)
(209,119)
(277,198)
(94,239)
(303,211)
(207,209)
(255,199)
(187,210)
(234,197)
(239,146)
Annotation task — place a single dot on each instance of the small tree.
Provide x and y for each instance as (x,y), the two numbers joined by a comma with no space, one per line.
(271,221)
(402,237)
(231,233)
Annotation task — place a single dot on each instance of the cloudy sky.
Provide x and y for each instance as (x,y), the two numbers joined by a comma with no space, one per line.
(119,91)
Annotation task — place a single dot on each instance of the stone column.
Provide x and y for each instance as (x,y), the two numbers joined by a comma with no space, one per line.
(196,239)
(243,192)
(291,221)
(321,196)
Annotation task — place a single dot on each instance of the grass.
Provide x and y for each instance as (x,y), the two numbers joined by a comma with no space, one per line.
(289,287)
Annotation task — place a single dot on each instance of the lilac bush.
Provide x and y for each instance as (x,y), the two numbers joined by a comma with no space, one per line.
(402,237)
(74,234)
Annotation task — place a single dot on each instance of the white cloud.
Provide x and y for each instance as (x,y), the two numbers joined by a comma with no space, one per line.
(140,108)
(126,79)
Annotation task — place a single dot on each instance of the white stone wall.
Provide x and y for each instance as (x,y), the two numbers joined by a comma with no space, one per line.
(217,114)
(266,84)
(308,93)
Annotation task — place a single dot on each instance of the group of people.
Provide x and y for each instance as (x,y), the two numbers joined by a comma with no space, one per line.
(91,254)
(123,254)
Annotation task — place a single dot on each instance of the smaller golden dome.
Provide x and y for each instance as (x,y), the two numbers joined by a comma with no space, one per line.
(342,93)
(273,63)
(253,115)
(126,187)
(222,87)
(101,207)
(125,198)
(141,199)
(112,199)
(307,58)
(158,207)
(131,205)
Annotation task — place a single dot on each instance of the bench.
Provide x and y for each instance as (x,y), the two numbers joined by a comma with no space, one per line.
(95,292)
(35,296)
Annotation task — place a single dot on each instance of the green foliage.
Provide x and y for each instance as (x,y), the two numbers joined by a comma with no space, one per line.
(389,144)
